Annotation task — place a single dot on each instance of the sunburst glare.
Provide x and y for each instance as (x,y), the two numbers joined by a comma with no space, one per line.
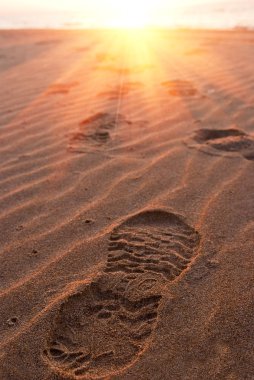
(130,14)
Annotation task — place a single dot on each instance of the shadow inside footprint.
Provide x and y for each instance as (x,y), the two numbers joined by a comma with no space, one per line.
(180,87)
(104,328)
(228,140)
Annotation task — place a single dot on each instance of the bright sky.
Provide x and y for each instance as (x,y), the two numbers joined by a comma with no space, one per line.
(119,13)
(91,5)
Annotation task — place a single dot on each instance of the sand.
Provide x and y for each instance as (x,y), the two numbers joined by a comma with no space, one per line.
(127,182)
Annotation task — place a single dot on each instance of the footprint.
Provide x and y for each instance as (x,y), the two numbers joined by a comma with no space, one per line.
(197,51)
(48,42)
(114,93)
(228,140)
(180,87)
(96,130)
(61,88)
(120,91)
(103,329)
(82,49)
(106,57)
(131,69)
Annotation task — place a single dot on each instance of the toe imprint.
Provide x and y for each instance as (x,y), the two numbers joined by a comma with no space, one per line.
(105,328)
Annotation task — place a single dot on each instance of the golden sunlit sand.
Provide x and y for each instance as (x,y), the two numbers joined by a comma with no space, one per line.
(126,178)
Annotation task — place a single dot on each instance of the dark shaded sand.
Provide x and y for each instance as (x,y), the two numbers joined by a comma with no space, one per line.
(127,211)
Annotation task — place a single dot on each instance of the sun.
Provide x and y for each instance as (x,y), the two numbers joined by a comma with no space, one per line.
(131,13)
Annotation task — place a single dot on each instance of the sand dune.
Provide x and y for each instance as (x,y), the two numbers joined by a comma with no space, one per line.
(127,181)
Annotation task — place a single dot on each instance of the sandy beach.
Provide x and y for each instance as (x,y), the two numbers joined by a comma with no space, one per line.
(126,186)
